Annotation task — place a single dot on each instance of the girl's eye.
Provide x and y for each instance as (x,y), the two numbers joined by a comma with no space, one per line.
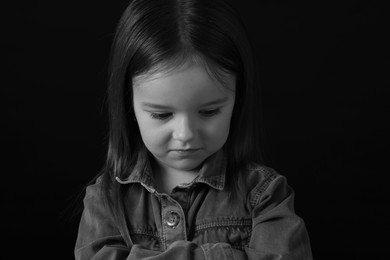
(209,113)
(160,116)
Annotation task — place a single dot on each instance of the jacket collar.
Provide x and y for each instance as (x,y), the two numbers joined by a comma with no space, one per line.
(211,173)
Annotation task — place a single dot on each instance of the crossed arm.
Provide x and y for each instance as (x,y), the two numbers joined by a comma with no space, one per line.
(277,233)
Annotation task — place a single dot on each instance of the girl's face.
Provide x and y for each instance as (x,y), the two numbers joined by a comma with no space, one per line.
(184,115)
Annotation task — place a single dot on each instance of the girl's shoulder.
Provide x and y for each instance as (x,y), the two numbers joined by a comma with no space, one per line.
(94,188)
(97,189)
(255,174)
(260,180)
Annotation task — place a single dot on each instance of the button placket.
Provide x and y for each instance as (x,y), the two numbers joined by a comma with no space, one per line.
(174,227)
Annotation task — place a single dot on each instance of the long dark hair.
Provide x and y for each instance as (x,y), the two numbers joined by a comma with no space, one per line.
(168,33)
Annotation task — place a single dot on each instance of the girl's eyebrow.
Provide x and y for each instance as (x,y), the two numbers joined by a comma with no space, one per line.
(218,101)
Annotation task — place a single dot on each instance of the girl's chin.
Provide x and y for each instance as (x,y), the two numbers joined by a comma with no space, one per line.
(185,166)
(181,165)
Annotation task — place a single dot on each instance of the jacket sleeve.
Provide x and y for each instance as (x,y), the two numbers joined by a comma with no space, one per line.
(99,238)
(277,232)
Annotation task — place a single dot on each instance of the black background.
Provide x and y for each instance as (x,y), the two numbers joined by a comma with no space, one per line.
(324,70)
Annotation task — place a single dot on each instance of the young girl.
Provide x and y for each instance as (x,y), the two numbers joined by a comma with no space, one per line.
(183,178)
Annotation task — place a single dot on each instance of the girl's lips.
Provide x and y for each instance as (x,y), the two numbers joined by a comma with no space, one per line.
(184,152)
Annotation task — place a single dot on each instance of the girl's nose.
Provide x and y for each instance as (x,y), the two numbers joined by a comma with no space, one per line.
(184,130)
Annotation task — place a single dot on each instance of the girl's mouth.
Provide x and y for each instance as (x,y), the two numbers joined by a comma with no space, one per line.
(185,152)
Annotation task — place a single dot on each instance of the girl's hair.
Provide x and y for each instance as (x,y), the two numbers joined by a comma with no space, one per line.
(165,34)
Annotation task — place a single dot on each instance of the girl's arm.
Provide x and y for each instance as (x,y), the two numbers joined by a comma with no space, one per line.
(278,233)
(98,237)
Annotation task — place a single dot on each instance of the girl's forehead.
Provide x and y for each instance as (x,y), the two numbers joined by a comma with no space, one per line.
(197,71)
(184,88)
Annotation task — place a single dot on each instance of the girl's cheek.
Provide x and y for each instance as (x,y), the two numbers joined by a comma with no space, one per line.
(157,131)
(218,129)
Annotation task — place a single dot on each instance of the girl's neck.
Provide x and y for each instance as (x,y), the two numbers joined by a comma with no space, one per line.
(167,178)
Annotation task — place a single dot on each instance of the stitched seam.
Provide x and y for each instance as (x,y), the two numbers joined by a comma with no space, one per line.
(164,235)
(223,223)
(145,233)
(246,229)
(269,177)
(238,247)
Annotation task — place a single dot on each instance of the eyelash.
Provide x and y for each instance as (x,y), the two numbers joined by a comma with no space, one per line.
(210,113)
(160,116)
(204,113)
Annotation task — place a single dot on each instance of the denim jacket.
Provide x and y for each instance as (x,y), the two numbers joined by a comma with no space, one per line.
(197,220)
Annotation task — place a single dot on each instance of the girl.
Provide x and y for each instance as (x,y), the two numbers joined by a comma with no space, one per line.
(183,178)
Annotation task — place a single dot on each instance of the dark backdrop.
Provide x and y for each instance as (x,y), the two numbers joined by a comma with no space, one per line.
(324,70)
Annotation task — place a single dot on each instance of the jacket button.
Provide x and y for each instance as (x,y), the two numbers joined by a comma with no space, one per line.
(173,219)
